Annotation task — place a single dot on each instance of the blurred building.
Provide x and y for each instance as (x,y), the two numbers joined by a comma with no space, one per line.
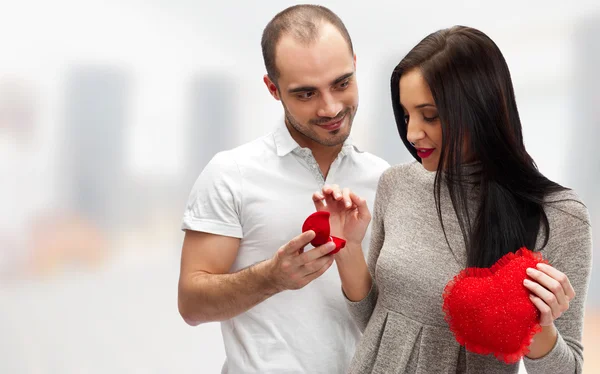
(213,121)
(96,119)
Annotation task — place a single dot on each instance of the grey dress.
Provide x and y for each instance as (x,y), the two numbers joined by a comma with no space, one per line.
(410,261)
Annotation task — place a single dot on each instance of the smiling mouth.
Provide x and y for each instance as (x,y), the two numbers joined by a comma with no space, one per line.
(425,152)
(333,125)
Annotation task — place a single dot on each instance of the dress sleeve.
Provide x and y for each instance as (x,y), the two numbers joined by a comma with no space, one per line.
(362,310)
(569,249)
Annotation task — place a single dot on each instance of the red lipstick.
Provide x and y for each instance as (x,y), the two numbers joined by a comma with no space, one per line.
(425,152)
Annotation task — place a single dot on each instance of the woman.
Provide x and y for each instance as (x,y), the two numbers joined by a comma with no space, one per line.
(473,195)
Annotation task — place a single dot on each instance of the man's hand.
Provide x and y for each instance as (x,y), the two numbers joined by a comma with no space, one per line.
(291,268)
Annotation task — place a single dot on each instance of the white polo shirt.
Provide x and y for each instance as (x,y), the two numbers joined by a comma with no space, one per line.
(261,192)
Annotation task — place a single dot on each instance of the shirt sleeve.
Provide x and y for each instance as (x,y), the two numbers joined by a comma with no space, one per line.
(569,250)
(215,202)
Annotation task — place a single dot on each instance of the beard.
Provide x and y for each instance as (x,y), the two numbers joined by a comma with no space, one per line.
(335,137)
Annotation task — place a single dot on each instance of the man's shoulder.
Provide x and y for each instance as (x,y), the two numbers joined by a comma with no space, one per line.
(253,151)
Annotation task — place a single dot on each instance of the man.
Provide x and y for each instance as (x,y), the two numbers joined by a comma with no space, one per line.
(281,310)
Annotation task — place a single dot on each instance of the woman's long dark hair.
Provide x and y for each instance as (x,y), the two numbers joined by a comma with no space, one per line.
(471,85)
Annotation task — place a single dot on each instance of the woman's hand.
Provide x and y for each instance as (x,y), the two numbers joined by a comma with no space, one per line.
(349,214)
(349,218)
(551,292)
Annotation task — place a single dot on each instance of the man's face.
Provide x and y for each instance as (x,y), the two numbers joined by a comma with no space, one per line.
(317,87)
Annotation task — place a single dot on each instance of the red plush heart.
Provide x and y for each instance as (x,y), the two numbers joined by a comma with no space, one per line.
(319,223)
(489,310)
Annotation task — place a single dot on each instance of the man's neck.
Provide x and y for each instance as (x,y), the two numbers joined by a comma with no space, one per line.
(324,155)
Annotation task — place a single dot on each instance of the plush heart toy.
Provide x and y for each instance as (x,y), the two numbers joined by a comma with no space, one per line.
(319,223)
(489,310)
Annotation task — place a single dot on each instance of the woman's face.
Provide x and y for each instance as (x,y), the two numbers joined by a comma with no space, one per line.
(424,129)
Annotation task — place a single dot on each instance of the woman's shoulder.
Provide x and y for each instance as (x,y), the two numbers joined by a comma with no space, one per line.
(569,246)
(566,204)
(406,173)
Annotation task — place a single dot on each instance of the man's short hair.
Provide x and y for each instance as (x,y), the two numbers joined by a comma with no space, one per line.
(302,22)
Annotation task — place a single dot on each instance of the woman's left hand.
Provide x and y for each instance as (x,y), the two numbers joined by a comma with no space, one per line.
(551,292)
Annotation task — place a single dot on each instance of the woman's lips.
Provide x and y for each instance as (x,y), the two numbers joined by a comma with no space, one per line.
(425,152)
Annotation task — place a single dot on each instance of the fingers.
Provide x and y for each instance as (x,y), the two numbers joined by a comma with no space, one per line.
(319,201)
(293,246)
(321,265)
(551,288)
(318,196)
(333,190)
(548,298)
(546,318)
(560,277)
(361,205)
(316,253)
(346,198)
(551,285)
(334,193)
(293,268)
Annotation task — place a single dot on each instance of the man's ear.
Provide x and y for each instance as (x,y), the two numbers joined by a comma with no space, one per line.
(273,90)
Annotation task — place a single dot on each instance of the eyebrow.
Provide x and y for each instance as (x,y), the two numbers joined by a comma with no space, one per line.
(420,106)
(313,88)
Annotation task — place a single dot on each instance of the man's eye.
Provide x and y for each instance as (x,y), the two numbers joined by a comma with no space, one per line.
(305,95)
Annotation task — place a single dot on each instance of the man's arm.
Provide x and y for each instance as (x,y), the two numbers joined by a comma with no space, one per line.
(207,293)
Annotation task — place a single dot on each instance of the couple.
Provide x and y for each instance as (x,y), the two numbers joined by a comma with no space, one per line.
(472,195)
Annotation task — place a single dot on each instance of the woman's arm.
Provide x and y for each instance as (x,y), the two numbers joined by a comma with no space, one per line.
(356,273)
(560,291)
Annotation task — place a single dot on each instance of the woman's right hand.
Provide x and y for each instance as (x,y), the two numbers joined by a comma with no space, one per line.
(349,219)
(349,214)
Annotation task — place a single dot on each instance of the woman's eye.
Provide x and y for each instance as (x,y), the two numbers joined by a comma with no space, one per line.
(430,119)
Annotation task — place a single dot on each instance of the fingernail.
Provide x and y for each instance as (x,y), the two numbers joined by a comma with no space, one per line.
(330,245)
(530,271)
(526,282)
(347,203)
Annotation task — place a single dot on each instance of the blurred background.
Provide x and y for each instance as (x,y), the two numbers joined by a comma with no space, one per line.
(110,109)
